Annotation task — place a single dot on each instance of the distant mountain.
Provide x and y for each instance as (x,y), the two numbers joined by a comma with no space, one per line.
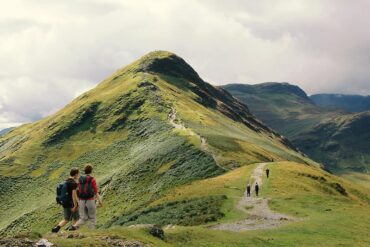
(351,103)
(338,139)
(4,131)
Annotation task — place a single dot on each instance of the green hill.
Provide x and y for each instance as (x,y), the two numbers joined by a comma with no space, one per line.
(337,139)
(172,150)
(126,128)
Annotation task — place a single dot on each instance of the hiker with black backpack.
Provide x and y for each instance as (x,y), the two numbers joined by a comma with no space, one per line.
(256,189)
(87,193)
(67,197)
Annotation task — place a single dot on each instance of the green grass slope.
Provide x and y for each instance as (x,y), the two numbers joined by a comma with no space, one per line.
(123,128)
(333,212)
(337,139)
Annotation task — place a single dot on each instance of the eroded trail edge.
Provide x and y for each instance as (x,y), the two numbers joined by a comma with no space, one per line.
(260,216)
(203,142)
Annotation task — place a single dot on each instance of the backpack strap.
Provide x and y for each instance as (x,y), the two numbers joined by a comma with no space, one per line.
(88,178)
(80,185)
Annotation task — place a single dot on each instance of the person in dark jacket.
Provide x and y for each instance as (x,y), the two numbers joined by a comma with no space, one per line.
(248,190)
(256,188)
(267,172)
(70,208)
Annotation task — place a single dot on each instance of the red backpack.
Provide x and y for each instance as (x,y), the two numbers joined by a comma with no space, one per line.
(85,188)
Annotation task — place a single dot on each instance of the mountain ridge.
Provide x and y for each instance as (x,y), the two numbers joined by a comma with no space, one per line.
(351,103)
(276,87)
(334,137)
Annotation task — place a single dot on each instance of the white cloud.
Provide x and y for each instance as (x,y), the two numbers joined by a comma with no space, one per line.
(52,50)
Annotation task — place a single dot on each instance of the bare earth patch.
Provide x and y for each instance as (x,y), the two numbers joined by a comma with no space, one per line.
(260,216)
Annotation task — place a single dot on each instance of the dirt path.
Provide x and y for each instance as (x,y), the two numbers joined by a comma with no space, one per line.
(260,216)
(203,141)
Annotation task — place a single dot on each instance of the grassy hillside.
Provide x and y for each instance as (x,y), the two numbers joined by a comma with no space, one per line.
(151,127)
(352,103)
(337,139)
(333,212)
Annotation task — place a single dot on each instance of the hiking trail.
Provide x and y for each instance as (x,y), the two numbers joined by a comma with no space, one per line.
(260,216)
(203,141)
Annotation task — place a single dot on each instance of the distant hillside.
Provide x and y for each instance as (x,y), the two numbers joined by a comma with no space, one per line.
(351,103)
(4,131)
(149,128)
(334,137)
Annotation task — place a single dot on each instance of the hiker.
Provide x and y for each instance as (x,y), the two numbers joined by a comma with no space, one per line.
(267,172)
(87,193)
(67,197)
(256,188)
(248,190)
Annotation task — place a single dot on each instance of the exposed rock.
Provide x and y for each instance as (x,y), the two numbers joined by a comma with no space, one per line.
(156,231)
(75,235)
(44,243)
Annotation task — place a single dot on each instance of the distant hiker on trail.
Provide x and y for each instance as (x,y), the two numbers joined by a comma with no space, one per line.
(67,197)
(248,190)
(256,188)
(267,172)
(87,194)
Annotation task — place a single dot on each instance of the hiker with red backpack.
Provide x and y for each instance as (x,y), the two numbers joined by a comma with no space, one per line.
(87,193)
(67,197)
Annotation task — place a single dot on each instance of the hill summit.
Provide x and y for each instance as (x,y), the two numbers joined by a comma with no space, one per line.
(168,63)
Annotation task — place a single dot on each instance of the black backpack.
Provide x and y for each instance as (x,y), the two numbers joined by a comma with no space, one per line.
(62,194)
(85,188)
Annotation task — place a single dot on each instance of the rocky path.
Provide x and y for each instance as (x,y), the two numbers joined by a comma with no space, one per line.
(203,141)
(260,216)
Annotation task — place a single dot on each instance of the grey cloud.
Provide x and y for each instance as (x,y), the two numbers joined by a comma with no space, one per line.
(53,50)
(8,27)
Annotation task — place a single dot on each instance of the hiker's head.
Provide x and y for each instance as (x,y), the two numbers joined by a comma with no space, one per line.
(88,169)
(74,172)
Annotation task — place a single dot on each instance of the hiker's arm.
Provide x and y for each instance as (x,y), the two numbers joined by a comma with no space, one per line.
(99,200)
(96,190)
(74,198)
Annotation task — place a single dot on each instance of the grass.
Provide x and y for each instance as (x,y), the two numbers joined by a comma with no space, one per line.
(187,212)
(98,237)
(328,217)
(231,185)
(358,178)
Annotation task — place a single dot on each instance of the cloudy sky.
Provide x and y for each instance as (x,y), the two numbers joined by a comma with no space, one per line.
(51,51)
